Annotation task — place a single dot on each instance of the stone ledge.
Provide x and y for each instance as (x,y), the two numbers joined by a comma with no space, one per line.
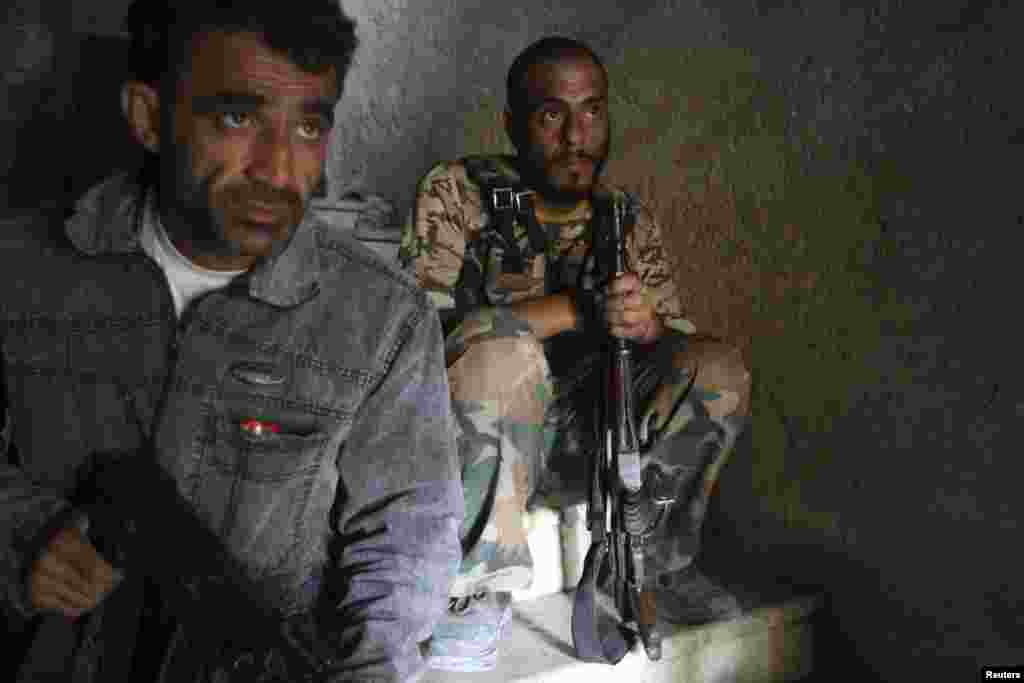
(770,643)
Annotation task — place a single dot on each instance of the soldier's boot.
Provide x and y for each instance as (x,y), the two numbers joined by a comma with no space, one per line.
(684,594)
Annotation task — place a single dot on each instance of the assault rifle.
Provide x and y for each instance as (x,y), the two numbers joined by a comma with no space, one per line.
(624,502)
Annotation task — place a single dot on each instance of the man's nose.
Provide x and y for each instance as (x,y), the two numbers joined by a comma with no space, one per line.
(573,131)
(273,159)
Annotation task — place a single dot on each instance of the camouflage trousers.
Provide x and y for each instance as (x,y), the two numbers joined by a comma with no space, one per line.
(528,424)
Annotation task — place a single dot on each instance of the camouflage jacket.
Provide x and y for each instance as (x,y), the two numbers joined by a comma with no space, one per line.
(450,244)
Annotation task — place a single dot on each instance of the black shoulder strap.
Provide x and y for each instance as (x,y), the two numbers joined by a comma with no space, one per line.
(507,199)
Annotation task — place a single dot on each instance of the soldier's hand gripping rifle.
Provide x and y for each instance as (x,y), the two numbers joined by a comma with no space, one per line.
(622,509)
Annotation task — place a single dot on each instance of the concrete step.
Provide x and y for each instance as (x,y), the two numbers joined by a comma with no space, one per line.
(769,643)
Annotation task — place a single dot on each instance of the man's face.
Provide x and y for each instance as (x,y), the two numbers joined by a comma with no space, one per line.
(249,131)
(564,139)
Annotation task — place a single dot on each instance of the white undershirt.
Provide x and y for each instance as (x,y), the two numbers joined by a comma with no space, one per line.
(186,280)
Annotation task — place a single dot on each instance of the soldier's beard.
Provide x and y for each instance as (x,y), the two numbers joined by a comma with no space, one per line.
(541,176)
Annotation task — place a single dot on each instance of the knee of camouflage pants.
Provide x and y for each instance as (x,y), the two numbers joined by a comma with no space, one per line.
(722,385)
(723,380)
(501,387)
(698,439)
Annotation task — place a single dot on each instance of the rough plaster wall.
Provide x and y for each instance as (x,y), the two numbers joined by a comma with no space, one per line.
(923,491)
(902,503)
(59,116)
(32,95)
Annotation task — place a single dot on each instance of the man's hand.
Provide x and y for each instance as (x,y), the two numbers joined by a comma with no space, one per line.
(70,576)
(629,312)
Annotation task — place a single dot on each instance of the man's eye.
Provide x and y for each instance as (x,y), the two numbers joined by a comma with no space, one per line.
(550,116)
(234,119)
(312,130)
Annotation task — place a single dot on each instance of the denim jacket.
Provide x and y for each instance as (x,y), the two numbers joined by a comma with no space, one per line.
(353,502)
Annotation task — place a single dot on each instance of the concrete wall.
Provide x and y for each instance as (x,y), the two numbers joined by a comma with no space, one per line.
(882,464)
(838,187)
(32,92)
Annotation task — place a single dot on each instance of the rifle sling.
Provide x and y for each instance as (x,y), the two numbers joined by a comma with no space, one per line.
(587,639)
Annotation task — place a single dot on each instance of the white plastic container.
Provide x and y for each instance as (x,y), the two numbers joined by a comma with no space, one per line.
(542,533)
(575,538)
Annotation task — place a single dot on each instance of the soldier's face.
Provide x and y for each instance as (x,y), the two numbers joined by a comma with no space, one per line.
(565,135)
(250,132)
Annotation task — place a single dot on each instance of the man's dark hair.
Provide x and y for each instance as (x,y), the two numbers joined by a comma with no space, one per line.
(313,34)
(547,50)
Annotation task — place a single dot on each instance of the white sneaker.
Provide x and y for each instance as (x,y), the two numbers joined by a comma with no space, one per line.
(467,637)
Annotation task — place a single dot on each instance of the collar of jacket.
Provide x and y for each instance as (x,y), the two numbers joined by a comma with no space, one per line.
(107,220)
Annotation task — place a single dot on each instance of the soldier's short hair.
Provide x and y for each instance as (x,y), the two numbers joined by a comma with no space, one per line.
(547,50)
(315,35)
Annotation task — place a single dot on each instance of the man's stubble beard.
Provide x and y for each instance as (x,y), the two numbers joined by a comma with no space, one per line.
(186,206)
(535,174)
(193,213)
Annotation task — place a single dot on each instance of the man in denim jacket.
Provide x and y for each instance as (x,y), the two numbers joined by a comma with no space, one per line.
(287,381)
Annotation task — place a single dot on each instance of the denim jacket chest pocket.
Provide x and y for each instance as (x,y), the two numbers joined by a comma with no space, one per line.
(275,427)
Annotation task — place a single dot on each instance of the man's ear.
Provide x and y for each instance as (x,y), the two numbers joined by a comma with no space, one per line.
(140,103)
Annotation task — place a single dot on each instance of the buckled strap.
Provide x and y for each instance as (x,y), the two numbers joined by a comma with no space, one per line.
(507,199)
(513,258)
(507,203)
(504,198)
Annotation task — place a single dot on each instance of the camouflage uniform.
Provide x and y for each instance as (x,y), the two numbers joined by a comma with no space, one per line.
(526,407)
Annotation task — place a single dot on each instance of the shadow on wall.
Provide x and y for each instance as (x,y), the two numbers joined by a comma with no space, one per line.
(29,81)
(769,254)
(99,141)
